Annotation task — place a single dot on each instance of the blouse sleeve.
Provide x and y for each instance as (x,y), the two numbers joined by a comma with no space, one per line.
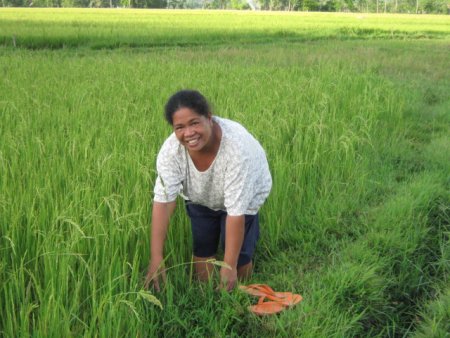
(169,181)
(238,185)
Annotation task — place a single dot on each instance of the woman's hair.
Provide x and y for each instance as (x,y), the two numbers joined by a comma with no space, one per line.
(191,99)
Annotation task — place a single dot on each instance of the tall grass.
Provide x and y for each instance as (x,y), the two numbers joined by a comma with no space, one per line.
(357,221)
(113,28)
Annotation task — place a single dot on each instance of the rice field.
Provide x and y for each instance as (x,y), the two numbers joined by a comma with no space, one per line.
(353,111)
(112,28)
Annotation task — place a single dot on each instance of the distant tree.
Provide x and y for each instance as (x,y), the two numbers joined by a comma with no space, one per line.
(218,4)
(180,4)
(81,3)
(274,5)
(16,3)
(327,6)
(153,3)
(435,6)
(75,3)
(297,5)
(344,5)
(158,3)
(264,4)
(239,4)
(310,5)
(41,3)
(360,5)
(97,3)
(135,3)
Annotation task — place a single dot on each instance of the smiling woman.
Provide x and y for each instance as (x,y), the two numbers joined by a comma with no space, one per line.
(221,171)
(199,134)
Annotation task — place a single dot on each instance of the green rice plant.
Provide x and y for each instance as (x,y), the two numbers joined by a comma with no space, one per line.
(354,129)
(104,28)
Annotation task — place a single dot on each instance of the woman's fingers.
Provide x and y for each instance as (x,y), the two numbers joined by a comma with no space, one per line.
(155,270)
(163,275)
(228,278)
(152,282)
(156,284)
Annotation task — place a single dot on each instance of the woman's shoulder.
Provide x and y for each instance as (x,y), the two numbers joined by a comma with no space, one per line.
(171,147)
(229,125)
(233,131)
(237,138)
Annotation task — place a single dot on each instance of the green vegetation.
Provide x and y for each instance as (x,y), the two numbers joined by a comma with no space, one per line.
(354,115)
(366,6)
(98,29)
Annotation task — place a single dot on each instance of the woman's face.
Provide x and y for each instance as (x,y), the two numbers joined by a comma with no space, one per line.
(191,129)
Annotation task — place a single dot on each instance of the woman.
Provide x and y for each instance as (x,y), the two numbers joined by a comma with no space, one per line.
(222,173)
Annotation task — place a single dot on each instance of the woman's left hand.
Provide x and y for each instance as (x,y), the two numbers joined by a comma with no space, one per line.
(228,278)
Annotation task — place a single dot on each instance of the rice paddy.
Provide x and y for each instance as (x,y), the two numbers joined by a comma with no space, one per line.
(353,112)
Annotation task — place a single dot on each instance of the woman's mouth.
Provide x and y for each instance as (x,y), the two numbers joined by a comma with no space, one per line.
(192,142)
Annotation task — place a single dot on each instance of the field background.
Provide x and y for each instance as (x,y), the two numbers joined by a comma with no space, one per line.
(353,111)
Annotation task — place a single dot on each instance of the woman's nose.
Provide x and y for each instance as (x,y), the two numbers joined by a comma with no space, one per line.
(189,131)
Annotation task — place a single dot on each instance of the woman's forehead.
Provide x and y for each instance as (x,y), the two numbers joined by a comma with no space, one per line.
(185,115)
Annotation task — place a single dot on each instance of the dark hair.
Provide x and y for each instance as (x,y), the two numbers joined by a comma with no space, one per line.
(191,99)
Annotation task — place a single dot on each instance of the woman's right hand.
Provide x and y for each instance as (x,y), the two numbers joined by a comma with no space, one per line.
(161,213)
(155,273)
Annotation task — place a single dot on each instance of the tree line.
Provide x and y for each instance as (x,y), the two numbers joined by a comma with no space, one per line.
(368,6)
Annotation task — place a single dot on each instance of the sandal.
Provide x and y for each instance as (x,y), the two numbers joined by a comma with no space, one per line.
(278,300)
(266,308)
(286,298)
(258,290)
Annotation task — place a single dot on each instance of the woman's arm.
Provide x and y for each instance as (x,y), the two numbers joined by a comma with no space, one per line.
(235,230)
(160,223)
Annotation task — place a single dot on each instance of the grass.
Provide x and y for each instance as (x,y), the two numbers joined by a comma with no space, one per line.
(65,28)
(355,129)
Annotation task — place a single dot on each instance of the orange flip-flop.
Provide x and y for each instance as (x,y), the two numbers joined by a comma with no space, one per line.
(278,300)
(266,308)
(286,298)
(258,290)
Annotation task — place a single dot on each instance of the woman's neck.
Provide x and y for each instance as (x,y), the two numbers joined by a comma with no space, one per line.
(204,158)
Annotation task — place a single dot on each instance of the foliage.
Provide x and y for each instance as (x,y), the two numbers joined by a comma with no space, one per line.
(386,6)
(355,124)
(53,28)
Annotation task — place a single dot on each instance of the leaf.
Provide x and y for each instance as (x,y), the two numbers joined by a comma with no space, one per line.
(222,264)
(150,298)
(131,307)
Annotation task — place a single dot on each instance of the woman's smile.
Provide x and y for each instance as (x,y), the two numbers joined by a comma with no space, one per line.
(193,142)
(192,130)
